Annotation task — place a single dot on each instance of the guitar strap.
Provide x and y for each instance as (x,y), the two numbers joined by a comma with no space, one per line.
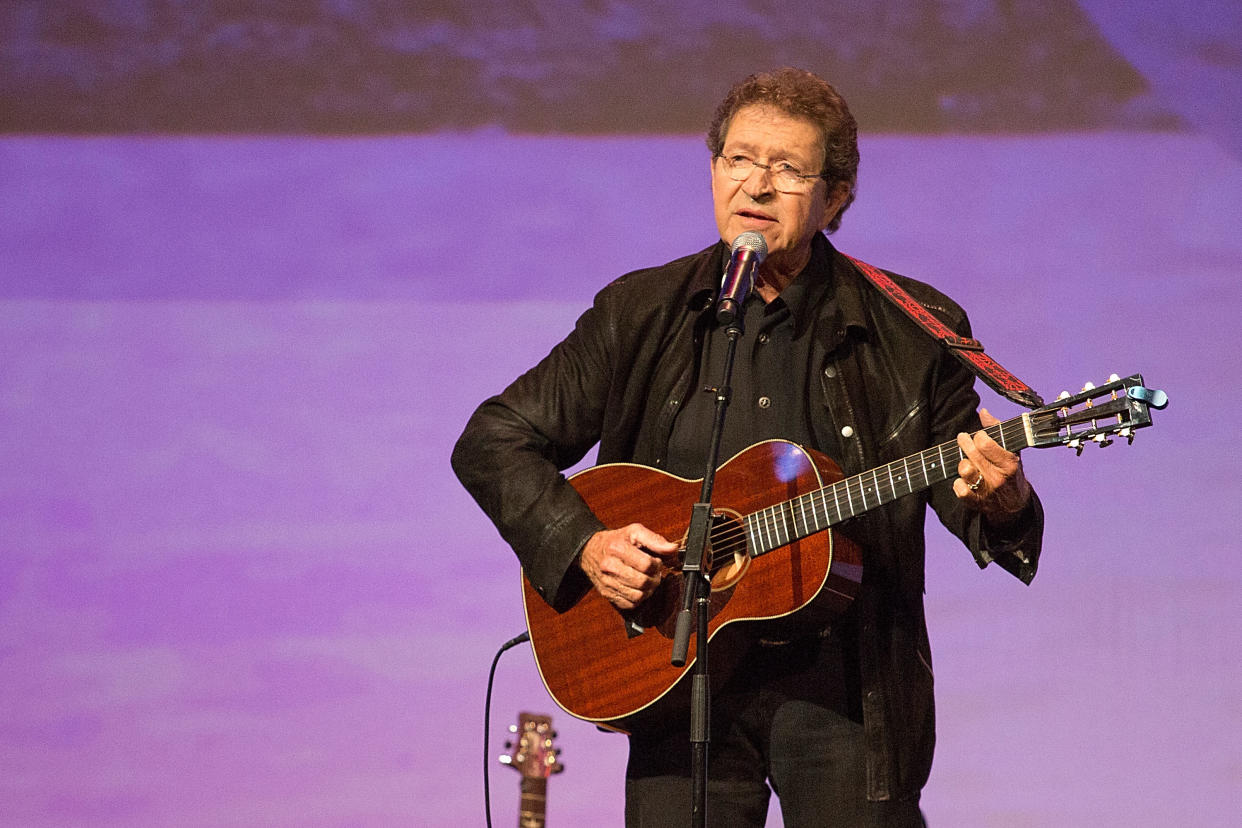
(968,351)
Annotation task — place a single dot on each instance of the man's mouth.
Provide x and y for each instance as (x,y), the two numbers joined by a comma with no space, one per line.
(755,215)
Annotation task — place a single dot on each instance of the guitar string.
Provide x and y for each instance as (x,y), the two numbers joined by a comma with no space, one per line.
(729,542)
(774,520)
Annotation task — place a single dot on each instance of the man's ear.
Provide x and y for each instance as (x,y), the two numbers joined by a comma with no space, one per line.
(837,197)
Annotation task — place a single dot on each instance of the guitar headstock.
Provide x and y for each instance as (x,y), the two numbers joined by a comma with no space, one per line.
(532,751)
(1116,409)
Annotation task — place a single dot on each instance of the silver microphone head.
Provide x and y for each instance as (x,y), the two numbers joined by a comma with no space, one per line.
(754,241)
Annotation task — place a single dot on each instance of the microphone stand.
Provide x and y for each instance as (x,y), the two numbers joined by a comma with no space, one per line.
(698,588)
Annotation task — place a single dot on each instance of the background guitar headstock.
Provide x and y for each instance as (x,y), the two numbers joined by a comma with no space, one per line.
(532,752)
(1116,409)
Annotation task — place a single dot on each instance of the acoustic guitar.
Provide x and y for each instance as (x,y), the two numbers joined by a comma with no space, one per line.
(533,754)
(771,550)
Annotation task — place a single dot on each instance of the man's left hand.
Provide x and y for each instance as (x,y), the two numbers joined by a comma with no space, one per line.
(990,478)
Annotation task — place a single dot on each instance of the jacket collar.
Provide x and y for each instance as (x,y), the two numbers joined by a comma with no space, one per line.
(705,281)
(848,310)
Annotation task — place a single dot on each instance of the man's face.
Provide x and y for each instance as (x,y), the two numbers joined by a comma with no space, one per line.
(788,221)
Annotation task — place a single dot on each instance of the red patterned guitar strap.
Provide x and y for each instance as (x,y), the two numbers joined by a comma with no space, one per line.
(969,351)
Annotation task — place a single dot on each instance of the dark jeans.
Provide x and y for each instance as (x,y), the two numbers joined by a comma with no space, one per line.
(787,718)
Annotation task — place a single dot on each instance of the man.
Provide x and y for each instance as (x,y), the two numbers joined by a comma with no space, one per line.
(838,719)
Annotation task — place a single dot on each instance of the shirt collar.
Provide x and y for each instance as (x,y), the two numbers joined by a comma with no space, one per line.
(811,289)
(828,275)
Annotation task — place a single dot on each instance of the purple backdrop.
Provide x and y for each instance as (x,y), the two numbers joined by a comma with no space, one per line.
(239,585)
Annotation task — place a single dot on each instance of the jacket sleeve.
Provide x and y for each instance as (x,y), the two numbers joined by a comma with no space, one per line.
(515,446)
(1015,546)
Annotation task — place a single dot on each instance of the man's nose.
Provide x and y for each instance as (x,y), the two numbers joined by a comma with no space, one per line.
(758,184)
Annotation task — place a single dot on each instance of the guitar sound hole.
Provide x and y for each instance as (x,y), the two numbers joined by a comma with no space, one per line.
(729,558)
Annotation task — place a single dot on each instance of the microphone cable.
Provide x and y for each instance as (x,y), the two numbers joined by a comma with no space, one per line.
(487,721)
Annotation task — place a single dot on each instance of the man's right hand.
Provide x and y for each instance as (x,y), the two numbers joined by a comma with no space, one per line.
(625,564)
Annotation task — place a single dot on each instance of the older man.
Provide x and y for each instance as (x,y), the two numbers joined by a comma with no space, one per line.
(836,719)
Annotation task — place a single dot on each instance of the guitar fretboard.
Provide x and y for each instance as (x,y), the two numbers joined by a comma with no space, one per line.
(786,522)
(533,809)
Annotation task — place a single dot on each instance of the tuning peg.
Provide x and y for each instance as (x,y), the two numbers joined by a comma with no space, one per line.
(1113,378)
(1088,386)
(506,759)
(1103,440)
(1154,397)
(513,728)
(1063,395)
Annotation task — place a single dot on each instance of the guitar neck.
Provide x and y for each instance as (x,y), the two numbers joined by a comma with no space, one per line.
(533,809)
(786,522)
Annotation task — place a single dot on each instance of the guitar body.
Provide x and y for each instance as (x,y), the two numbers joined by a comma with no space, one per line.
(606,666)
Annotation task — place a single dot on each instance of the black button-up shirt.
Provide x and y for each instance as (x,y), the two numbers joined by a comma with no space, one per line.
(771,381)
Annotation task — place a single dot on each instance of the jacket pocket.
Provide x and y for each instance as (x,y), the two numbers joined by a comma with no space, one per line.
(906,432)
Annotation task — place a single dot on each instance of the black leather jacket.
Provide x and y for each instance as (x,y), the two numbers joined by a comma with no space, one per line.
(619,378)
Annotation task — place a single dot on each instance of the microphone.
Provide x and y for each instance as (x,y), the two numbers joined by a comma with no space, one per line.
(749,251)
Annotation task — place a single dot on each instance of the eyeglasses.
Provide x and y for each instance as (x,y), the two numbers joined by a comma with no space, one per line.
(786,178)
